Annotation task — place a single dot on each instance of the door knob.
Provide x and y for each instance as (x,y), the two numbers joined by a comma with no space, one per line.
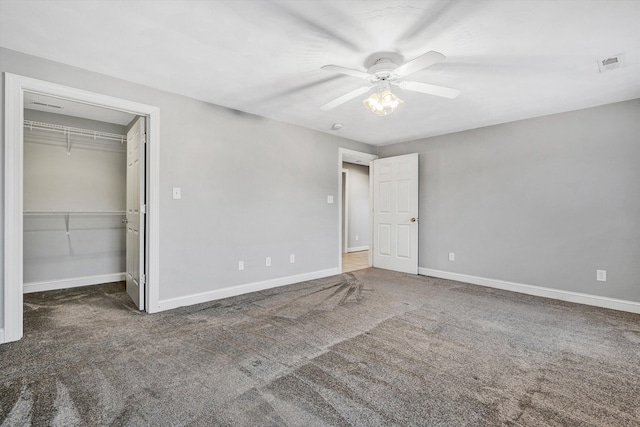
(414,219)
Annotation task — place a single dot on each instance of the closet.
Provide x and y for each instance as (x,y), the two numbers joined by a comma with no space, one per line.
(74,198)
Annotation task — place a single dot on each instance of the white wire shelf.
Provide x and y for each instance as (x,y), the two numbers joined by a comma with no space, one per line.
(83,138)
(67,130)
(55,212)
(69,214)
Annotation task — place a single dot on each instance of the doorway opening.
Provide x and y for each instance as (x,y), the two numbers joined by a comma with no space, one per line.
(355,210)
(89,212)
(74,194)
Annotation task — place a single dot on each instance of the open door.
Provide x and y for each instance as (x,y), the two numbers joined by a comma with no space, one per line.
(135,212)
(395,213)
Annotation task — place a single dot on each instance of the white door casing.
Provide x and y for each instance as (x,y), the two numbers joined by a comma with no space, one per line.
(14,88)
(345,210)
(395,213)
(135,212)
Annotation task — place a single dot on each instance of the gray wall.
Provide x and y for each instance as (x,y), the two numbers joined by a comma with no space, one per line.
(87,179)
(358,200)
(251,187)
(544,201)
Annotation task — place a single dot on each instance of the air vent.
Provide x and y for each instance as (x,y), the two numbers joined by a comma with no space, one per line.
(42,104)
(611,63)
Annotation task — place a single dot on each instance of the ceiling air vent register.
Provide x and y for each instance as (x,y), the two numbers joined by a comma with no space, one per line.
(611,63)
(42,104)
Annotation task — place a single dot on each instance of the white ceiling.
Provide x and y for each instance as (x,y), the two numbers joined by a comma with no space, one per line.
(512,60)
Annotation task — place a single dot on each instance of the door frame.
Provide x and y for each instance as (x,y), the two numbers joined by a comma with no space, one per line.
(366,159)
(15,87)
(345,209)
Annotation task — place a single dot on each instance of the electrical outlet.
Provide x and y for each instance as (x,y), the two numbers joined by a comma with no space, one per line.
(177,193)
(240,265)
(452,256)
(292,258)
(357,237)
(329,199)
(601,275)
(268,261)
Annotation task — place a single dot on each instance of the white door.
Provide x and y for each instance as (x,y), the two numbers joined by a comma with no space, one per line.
(395,213)
(135,212)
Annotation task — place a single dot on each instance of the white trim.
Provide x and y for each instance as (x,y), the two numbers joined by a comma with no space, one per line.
(577,297)
(1,335)
(52,285)
(371,168)
(231,291)
(365,157)
(13,160)
(15,87)
(345,217)
(358,249)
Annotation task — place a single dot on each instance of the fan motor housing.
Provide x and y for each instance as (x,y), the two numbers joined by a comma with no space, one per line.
(381,57)
(382,70)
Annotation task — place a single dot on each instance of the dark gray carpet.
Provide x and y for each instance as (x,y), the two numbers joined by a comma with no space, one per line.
(366,348)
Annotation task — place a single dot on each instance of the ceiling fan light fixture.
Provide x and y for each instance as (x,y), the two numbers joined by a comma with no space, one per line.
(382,103)
(382,72)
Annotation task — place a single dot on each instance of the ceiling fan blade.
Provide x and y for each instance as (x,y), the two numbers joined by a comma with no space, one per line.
(344,98)
(423,61)
(347,71)
(445,92)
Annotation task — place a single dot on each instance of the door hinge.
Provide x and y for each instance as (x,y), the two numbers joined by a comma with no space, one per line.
(144,138)
(143,209)
(143,279)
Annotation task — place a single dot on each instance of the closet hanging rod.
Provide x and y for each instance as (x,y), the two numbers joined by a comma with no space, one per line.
(54,212)
(67,130)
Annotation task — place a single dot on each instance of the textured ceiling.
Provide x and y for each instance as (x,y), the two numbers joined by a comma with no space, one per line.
(512,60)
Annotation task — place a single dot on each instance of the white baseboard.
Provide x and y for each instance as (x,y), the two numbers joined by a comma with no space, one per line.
(232,291)
(72,283)
(588,299)
(2,336)
(358,249)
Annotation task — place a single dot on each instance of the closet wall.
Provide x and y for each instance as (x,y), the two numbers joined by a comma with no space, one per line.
(62,246)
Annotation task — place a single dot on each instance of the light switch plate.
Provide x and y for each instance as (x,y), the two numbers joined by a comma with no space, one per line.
(452,256)
(267,261)
(177,193)
(292,258)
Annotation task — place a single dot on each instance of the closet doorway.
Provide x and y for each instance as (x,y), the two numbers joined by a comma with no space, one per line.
(80,194)
(75,188)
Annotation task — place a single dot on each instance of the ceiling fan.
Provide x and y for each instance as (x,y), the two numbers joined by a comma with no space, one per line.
(384,72)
